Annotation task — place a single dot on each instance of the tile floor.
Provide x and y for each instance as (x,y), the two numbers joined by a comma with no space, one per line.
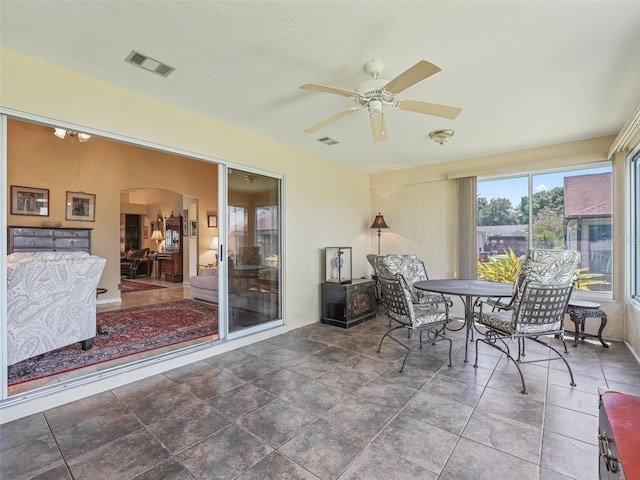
(319,402)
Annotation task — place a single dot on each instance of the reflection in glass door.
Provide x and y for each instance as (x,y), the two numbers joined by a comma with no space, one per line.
(254,249)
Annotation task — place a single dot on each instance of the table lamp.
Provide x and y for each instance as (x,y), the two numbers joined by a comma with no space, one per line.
(214,246)
(157,236)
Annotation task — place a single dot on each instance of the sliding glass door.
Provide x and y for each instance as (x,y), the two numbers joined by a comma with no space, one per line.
(254,249)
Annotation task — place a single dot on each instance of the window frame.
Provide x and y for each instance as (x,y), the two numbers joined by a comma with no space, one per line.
(634,224)
(582,294)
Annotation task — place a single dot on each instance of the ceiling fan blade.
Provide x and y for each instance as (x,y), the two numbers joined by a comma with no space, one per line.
(331,119)
(443,111)
(411,76)
(327,89)
(378,127)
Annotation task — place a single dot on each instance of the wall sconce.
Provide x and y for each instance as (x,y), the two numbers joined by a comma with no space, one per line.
(379,223)
(61,133)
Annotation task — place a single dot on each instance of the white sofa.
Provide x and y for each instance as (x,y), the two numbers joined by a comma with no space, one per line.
(51,301)
(204,286)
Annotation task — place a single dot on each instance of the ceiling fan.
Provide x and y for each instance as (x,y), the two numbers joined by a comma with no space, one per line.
(376,92)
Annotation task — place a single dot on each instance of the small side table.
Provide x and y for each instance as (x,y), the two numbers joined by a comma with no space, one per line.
(346,305)
(579,311)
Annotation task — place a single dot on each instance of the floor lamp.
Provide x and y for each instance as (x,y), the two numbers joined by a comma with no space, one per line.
(379,223)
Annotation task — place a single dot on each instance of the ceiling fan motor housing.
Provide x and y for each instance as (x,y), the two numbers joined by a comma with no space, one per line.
(375,106)
(373,90)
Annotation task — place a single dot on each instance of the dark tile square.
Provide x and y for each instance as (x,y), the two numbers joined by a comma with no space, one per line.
(224,455)
(323,449)
(277,422)
(187,426)
(120,459)
(241,400)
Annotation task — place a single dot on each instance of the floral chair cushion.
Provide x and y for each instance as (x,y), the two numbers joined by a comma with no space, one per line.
(410,267)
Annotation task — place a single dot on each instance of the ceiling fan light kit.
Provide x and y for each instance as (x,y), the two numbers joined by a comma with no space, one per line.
(375,93)
(442,136)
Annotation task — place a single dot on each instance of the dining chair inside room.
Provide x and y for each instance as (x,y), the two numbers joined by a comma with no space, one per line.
(542,292)
(412,270)
(428,319)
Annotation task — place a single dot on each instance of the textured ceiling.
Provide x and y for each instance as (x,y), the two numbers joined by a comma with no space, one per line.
(524,73)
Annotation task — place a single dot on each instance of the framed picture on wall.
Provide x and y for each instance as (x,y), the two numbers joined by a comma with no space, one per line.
(185,223)
(81,206)
(29,201)
(212,221)
(146,232)
(194,228)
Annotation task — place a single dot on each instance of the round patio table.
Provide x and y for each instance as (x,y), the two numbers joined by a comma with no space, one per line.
(467,290)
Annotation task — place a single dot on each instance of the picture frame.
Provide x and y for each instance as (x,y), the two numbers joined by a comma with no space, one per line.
(29,201)
(212,221)
(185,222)
(146,232)
(194,228)
(81,207)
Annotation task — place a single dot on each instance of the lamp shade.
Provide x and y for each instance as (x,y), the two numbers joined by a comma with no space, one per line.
(379,222)
(157,235)
(214,244)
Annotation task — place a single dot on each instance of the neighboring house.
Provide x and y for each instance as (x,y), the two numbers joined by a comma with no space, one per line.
(587,212)
(495,239)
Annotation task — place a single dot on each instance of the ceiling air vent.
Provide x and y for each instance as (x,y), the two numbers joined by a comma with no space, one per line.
(141,60)
(328,141)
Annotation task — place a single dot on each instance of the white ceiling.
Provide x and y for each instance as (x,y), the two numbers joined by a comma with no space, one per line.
(525,73)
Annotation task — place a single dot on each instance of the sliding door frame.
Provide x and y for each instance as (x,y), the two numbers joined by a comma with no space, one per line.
(42,395)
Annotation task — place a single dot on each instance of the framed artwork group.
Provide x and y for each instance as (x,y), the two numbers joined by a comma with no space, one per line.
(79,206)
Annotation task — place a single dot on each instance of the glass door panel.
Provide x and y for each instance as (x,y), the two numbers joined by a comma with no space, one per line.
(254,249)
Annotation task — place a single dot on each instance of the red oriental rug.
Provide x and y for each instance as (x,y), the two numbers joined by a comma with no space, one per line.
(128,332)
(129,286)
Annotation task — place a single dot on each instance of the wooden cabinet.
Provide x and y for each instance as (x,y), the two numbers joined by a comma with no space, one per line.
(346,305)
(170,265)
(173,234)
(46,239)
(170,261)
(619,436)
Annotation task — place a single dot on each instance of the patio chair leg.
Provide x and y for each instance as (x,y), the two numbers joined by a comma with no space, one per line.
(548,345)
(394,339)
(524,387)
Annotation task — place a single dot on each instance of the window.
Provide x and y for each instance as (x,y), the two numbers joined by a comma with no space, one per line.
(238,228)
(558,210)
(635,227)
(267,224)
